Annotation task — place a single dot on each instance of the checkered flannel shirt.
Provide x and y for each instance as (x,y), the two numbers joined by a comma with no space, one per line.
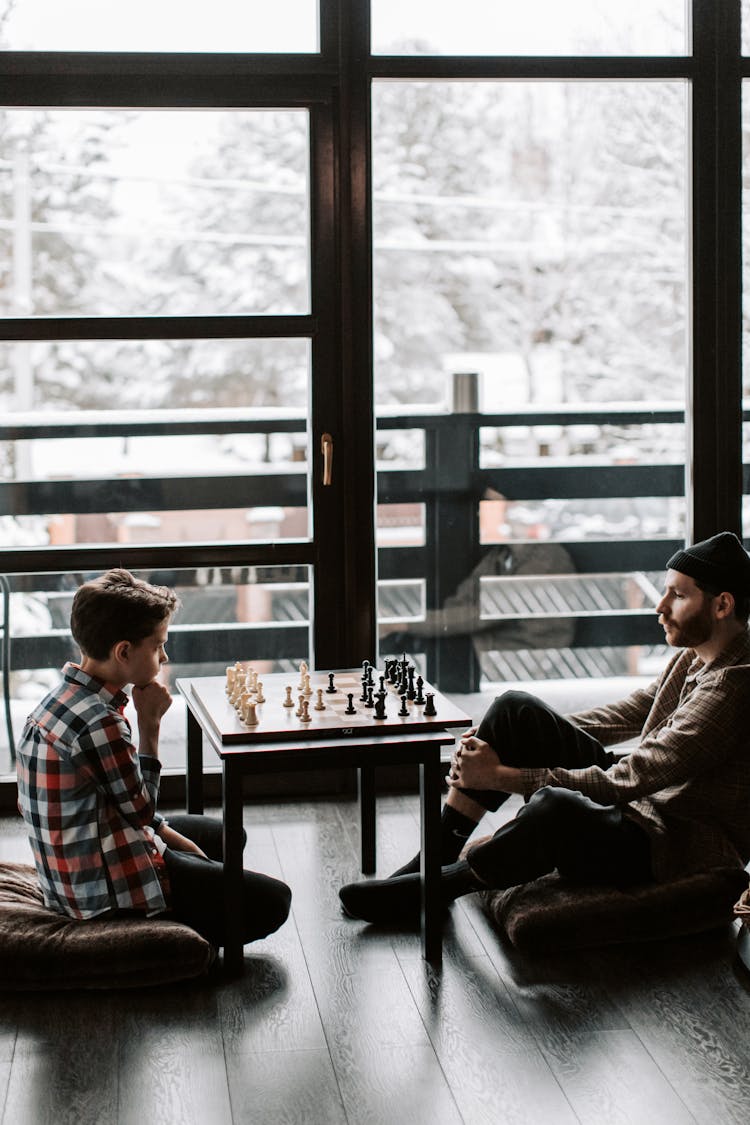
(688,781)
(89,802)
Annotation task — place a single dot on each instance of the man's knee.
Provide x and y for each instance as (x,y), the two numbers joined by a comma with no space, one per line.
(558,805)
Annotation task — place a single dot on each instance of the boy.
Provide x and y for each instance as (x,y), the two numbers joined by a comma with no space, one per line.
(89,797)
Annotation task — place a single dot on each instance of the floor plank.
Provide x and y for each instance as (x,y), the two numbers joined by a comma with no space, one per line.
(339,1023)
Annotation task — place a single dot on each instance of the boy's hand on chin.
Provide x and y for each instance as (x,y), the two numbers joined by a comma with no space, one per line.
(151,701)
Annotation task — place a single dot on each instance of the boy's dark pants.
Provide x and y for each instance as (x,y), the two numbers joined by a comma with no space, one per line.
(556,828)
(197,886)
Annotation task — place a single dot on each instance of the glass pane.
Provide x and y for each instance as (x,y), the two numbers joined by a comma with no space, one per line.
(531,292)
(745,27)
(257,614)
(169,25)
(108,213)
(538,27)
(154,441)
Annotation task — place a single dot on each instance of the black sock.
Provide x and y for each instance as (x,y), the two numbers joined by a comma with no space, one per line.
(458,879)
(455,829)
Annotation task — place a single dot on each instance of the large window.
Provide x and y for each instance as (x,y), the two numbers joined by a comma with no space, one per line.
(540,261)
(378,326)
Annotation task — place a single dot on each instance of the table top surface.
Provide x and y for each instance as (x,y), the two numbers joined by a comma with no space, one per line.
(278,731)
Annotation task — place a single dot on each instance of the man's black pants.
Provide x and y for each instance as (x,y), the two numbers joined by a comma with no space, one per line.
(197,886)
(556,828)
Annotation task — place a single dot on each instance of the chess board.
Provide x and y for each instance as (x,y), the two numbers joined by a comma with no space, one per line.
(277,723)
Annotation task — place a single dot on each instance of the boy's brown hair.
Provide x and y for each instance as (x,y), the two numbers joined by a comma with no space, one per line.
(118,607)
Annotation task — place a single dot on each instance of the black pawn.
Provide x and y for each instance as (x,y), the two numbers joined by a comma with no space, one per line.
(380,706)
(331,689)
(429,707)
(350,709)
(369,702)
(404,709)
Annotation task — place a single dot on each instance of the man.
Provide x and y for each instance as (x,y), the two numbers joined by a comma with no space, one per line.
(678,803)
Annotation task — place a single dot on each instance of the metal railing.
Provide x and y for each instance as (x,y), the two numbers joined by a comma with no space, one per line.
(448,485)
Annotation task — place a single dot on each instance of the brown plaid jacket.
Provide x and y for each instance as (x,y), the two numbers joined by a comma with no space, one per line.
(688,781)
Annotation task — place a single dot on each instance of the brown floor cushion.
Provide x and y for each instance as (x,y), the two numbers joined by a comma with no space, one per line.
(42,949)
(552,914)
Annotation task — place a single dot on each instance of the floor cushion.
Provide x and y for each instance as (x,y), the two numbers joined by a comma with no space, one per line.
(42,949)
(551,914)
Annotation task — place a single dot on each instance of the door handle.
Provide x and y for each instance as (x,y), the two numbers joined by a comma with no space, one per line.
(326,448)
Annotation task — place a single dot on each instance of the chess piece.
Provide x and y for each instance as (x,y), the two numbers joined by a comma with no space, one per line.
(380,712)
(303,670)
(411,691)
(404,710)
(369,701)
(429,707)
(249,715)
(320,705)
(306,690)
(259,696)
(331,689)
(300,700)
(288,701)
(419,699)
(305,716)
(350,709)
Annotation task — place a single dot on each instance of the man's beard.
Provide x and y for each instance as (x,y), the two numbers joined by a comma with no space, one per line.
(693,632)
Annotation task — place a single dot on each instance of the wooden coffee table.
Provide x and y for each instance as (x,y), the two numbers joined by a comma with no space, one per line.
(333,742)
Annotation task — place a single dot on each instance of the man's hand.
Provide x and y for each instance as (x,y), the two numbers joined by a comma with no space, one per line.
(475,765)
(178,842)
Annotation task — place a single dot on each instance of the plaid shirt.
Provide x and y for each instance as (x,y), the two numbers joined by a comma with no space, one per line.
(688,781)
(88,801)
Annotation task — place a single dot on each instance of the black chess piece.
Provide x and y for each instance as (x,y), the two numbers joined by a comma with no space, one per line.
(369,701)
(420,694)
(429,707)
(331,690)
(363,696)
(404,710)
(350,709)
(411,691)
(380,712)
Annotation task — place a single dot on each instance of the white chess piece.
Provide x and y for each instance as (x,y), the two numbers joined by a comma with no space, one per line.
(259,696)
(288,702)
(320,705)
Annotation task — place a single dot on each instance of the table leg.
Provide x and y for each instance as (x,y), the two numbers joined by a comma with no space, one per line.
(366,789)
(234,958)
(430,781)
(194,764)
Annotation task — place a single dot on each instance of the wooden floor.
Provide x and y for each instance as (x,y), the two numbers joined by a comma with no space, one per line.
(334,1022)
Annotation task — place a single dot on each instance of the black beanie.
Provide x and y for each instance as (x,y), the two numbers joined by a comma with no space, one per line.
(719,563)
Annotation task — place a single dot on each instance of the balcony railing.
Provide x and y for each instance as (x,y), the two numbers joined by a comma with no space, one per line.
(447,486)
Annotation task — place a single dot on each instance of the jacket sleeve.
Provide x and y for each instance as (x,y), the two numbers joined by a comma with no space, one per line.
(617,722)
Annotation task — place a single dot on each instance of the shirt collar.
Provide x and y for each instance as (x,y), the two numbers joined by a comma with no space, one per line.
(110,694)
(738,652)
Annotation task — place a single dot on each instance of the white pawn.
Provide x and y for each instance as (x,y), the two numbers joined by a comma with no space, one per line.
(305,716)
(306,690)
(241,703)
(300,701)
(288,702)
(259,696)
(320,705)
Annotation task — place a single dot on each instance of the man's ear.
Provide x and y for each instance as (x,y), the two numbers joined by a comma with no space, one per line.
(724,604)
